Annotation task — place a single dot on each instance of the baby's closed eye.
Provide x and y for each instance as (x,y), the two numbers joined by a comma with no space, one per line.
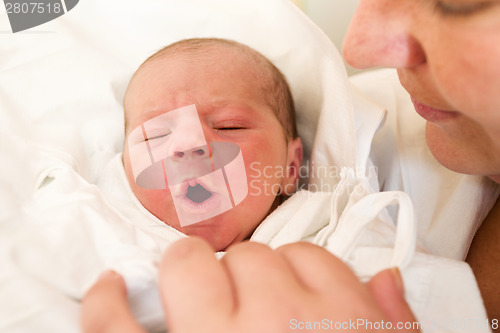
(230,125)
(229,128)
(157,136)
(153,134)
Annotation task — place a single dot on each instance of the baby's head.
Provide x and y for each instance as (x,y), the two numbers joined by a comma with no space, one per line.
(223,103)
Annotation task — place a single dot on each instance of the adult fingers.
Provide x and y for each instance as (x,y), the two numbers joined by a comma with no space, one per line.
(255,289)
(388,291)
(337,290)
(194,284)
(316,268)
(264,282)
(105,308)
(298,282)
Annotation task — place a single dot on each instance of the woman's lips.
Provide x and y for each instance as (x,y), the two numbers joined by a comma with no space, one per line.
(431,114)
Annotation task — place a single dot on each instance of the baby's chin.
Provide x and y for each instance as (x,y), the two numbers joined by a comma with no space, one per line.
(216,232)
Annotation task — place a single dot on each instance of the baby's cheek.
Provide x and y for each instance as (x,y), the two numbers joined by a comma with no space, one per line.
(157,202)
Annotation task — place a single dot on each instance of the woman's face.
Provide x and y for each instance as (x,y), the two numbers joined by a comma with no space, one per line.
(448,58)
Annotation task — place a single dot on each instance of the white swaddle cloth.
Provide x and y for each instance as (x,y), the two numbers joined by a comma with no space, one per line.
(62,93)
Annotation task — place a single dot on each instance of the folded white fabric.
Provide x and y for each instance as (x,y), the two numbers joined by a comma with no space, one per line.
(441,292)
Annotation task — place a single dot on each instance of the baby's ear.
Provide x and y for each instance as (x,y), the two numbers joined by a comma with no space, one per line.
(293,163)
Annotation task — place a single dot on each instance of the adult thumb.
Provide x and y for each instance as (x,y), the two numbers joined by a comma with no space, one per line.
(387,289)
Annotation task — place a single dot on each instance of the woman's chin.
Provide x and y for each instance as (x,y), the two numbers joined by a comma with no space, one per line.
(458,154)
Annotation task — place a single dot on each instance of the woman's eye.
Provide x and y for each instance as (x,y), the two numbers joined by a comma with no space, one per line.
(447,8)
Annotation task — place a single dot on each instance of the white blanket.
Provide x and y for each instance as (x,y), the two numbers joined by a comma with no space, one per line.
(62,123)
(72,230)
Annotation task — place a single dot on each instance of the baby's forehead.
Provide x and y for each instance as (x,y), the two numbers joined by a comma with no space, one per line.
(212,56)
(215,59)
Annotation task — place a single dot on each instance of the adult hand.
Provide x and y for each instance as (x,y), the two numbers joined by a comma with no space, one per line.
(255,289)
(105,308)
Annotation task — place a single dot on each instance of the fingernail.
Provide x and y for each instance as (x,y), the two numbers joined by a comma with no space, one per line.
(398,281)
(109,274)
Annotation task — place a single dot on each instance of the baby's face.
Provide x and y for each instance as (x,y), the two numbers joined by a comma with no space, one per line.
(182,104)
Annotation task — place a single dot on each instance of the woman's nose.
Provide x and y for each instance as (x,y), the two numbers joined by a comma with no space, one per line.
(380,35)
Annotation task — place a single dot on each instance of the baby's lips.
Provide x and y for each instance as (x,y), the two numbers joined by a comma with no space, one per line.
(182,188)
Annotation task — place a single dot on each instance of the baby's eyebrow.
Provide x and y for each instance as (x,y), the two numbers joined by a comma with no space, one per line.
(150,114)
(232,109)
(220,109)
(145,116)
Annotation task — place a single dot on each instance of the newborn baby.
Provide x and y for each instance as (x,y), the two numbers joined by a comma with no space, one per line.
(210,138)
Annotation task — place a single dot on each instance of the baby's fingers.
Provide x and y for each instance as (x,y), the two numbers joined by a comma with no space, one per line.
(105,308)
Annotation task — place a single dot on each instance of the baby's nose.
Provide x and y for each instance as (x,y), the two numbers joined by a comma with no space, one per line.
(183,142)
(199,152)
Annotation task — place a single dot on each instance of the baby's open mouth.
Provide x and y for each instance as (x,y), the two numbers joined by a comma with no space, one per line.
(198,193)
